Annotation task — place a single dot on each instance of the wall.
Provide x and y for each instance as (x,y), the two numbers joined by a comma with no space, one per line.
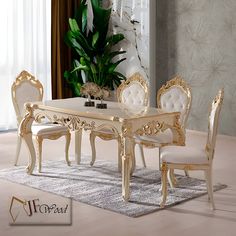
(197,40)
(131,18)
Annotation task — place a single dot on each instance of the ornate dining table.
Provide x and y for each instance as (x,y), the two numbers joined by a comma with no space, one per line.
(129,121)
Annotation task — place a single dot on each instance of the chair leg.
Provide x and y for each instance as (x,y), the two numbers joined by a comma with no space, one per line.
(68,138)
(92,143)
(208,174)
(164,170)
(171,178)
(142,155)
(133,164)
(78,140)
(159,155)
(39,141)
(18,147)
(119,155)
(186,173)
(206,177)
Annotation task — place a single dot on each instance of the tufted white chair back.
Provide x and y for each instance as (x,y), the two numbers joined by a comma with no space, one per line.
(213,123)
(133,91)
(25,89)
(175,95)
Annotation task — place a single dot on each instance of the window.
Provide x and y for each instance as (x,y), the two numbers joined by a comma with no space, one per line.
(25,44)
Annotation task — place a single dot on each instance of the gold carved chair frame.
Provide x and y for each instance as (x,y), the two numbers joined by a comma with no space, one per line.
(52,134)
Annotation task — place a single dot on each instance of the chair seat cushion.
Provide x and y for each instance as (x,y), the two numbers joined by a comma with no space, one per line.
(44,129)
(183,154)
(157,140)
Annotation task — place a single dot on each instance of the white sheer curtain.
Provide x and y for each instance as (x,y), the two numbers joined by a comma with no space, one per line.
(25,44)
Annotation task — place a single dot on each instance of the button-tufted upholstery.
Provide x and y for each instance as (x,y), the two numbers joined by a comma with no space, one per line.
(175,95)
(133,94)
(26,93)
(175,99)
(133,91)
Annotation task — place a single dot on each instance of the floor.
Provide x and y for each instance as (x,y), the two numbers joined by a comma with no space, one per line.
(194,217)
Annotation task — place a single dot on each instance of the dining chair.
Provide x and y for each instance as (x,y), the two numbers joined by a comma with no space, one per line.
(174,96)
(26,88)
(133,91)
(192,158)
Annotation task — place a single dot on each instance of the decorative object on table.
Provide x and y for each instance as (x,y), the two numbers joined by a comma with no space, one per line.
(101,186)
(26,88)
(101,105)
(90,90)
(192,158)
(103,94)
(94,57)
(89,103)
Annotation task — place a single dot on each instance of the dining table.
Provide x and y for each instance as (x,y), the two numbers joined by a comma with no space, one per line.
(129,121)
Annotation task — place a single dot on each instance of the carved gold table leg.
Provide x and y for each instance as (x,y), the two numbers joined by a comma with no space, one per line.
(78,139)
(126,167)
(25,132)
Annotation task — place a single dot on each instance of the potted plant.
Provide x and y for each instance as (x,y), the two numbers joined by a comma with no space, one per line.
(94,59)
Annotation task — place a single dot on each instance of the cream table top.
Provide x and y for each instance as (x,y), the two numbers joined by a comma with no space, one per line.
(115,111)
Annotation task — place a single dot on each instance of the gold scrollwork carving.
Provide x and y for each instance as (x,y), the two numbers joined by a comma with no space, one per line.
(180,130)
(151,128)
(122,145)
(38,117)
(27,120)
(127,129)
(72,122)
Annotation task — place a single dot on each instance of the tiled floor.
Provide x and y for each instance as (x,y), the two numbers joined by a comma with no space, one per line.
(194,217)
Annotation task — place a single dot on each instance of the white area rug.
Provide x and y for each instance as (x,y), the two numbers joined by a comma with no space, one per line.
(100,186)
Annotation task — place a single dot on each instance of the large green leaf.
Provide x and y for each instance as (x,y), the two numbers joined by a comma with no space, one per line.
(101,20)
(81,15)
(79,68)
(93,53)
(114,39)
(119,75)
(113,66)
(77,34)
(84,20)
(95,39)
(72,79)
(107,58)
(72,42)
(73,25)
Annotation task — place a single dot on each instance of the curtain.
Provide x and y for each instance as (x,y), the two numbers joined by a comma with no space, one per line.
(25,44)
(62,10)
